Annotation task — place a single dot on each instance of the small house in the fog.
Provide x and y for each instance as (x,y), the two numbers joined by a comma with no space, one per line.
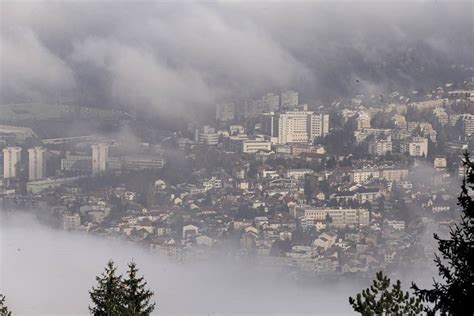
(190,231)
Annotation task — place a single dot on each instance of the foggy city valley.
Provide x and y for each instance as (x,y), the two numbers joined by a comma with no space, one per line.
(236,158)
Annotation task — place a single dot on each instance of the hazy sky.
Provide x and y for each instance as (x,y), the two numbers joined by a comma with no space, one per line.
(173,56)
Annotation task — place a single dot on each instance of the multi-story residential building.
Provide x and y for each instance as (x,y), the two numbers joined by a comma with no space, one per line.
(71,221)
(363,121)
(441,116)
(36,163)
(394,174)
(11,160)
(418,147)
(100,155)
(468,124)
(376,132)
(362,175)
(209,138)
(380,147)
(319,126)
(297,173)
(337,217)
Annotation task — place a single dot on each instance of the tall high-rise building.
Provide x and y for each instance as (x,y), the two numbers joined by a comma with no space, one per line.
(289,99)
(295,126)
(11,159)
(319,125)
(36,163)
(100,155)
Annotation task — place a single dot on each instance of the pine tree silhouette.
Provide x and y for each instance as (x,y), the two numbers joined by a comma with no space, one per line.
(456,265)
(378,299)
(136,296)
(107,297)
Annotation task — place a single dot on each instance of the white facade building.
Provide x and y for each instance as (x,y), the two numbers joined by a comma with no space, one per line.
(36,163)
(380,147)
(100,155)
(11,159)
(468,124)
(319,125)
(338,217)
(295,126)
(418,147)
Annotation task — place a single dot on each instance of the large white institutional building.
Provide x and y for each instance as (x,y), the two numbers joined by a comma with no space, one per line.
(295,126)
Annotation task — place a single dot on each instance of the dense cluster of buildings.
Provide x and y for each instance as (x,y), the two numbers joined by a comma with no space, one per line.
(346,188)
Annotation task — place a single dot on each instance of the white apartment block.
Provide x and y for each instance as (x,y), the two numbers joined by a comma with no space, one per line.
(100,155)
(11,159)
(380,147)
(393,174)
(363,121)
(376,132)
(418,147)
(209,138)
(297,173)
(468,124)
(319,125)
(36,163)
(362,175)
(339,217)
(71,221)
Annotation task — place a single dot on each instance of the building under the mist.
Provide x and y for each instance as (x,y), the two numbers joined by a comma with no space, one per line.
(100,155)
(11,161)
(36,163)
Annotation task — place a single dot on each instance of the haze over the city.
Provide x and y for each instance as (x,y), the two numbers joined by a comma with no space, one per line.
(249,157)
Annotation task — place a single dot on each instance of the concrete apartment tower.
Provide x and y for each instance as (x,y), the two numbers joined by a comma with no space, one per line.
(36,163)
(11,159)
(100,155)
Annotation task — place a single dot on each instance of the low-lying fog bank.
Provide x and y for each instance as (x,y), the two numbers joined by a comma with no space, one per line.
(48,271)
